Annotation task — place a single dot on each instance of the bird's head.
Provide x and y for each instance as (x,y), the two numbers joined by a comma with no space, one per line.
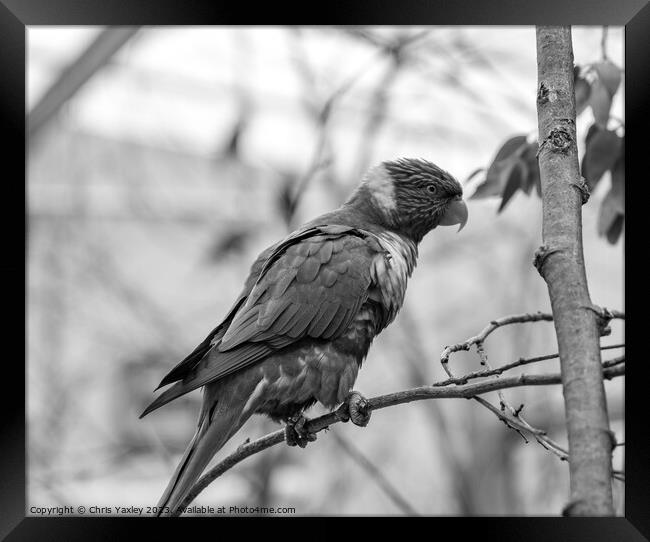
(412,196)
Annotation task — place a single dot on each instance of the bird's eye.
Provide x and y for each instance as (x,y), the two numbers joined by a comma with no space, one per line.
(432,188)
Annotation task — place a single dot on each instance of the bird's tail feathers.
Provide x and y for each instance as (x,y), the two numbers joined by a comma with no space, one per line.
(216,426)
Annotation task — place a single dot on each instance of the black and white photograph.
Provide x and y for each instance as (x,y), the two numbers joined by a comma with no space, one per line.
(325,270)
(288,228)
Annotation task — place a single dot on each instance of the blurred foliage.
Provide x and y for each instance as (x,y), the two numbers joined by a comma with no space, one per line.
(515,166)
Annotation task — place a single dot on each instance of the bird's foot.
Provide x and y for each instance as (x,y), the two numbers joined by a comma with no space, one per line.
(355,408)
(295,432)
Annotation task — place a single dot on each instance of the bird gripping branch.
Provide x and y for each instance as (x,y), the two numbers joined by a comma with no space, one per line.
(310,308)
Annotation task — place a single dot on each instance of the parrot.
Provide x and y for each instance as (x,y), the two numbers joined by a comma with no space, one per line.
(310,308)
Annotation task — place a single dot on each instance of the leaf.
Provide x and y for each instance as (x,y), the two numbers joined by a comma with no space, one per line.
(608,214)
(529,156)
(609,75)
(494,183)
(600,101)
(582,90)
(525,186)
(491,185)
(509,148)
(618,183)
(474,174)
(486,189)
(612,211)
(603,148)
(615,229)
(512,178)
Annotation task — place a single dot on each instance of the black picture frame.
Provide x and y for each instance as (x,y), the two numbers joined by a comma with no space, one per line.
(16,15)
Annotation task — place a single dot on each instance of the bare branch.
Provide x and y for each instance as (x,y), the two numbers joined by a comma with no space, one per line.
(492,326)
(518,363)
(316,425)
(514,420)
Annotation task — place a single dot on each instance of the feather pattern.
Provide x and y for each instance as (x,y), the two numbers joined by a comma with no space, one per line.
(310,286)
(361,265)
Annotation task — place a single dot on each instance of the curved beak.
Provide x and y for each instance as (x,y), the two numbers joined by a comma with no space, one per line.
(456,213)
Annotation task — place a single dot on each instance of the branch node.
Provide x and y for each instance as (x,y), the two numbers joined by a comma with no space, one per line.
(541,254)
(560,139)
(603,318)
(612,438)
(544,94)
(239,448)
(481,353)
(583,188)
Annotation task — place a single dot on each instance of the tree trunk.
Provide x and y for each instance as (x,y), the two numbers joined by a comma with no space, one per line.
(560,262)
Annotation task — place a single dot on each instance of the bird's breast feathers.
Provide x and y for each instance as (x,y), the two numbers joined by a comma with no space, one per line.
(391,272)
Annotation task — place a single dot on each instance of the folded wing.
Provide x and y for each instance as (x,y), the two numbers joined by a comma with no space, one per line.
(310,285)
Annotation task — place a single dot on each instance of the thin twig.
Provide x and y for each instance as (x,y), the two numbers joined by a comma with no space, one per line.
(492,326)
(614,361)
(520,362)
(518,420)
(514,420)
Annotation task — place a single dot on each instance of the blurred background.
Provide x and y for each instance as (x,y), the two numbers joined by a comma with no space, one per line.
(162,160)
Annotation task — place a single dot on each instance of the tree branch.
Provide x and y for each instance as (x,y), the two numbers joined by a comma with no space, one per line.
(323,422)
(492,326)
(514,420)
(518,363)
(560,261)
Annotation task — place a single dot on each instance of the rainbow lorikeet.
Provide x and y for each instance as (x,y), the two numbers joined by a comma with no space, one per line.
(309,310)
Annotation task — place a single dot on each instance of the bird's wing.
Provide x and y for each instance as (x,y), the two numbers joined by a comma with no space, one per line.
(309,288)
(182,369)
(311,285)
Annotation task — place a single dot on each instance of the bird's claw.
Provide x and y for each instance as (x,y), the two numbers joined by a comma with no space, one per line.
(355,408)
(295,432)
